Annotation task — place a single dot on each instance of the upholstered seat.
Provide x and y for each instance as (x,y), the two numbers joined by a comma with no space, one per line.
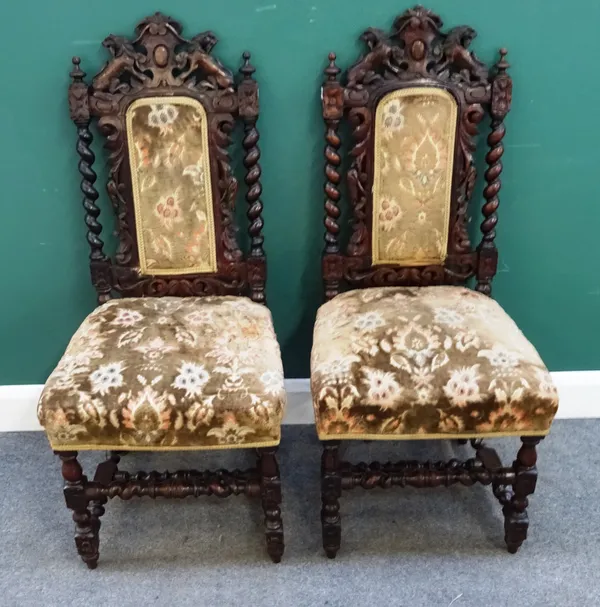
(168,373)
(429,362)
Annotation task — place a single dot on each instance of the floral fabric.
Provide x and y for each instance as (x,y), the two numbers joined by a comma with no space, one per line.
(404,362)
(168,373)
(170,170)
(414,149)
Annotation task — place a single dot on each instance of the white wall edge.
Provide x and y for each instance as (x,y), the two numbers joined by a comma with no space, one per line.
(579,393)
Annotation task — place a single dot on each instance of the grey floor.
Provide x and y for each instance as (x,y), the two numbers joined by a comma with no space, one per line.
(400,547)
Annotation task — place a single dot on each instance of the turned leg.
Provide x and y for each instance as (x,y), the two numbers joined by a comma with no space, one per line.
(331,491)
(490,460)
(97,510)
(270,493)
(86,529)
(516,521)
(104,474)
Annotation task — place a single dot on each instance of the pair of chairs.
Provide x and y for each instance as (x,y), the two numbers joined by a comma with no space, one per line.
(187,358)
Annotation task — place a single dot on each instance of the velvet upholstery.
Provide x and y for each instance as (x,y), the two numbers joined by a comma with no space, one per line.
(429,362)
(170,171)
(414,146)
(168,373)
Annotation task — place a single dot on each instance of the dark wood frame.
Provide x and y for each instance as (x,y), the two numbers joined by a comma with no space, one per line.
(417,53)
(160,62)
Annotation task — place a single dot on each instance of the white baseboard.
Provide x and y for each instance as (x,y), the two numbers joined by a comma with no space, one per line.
(579,393)
(18,406)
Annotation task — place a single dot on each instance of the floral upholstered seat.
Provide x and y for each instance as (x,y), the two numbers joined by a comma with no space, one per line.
(168,373)
(443,361)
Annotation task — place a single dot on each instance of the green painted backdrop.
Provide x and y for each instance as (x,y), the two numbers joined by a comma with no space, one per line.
(550,208)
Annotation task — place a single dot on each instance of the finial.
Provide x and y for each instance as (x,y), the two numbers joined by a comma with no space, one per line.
(503,64)
(247,68)
(332,70)
(77,74)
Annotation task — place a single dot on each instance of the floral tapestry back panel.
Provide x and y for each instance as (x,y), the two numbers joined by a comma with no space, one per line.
(170,173)
(414,150)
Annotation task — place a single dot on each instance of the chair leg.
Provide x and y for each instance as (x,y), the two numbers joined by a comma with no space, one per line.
(490,460)
(516,521)
(331,491)
(270,492)
(97,511)
(104,474)
(87,525)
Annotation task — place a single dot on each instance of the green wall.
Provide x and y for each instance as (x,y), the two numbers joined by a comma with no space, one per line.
(549,214)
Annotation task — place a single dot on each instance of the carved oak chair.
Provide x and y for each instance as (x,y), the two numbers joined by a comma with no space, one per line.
(186,358)
(410,352)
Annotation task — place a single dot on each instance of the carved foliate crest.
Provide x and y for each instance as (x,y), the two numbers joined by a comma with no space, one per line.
(159,56)
(416,46)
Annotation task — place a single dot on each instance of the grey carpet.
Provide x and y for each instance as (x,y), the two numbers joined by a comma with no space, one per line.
(400,547)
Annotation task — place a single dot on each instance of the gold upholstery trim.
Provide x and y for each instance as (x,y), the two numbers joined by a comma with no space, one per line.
(126,447)
(429,436)
(211,266)
(378,178)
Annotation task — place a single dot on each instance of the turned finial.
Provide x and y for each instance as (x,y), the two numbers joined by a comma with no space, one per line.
(502,63)
(77,74)
(332,70)
(247,68)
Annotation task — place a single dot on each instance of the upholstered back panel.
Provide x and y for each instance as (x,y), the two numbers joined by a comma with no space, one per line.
(415,131)
(170,173)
